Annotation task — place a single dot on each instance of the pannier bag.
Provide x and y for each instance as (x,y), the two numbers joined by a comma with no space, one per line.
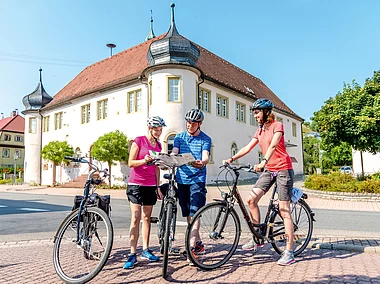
(102,202)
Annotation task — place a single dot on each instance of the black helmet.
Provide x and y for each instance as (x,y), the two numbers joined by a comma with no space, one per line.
(262,104)
(155,121)
(194,115)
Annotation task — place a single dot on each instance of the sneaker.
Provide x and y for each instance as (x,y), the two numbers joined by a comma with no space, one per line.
(148,255)
(199,248)
(251,245)
(130,263)
(287,258)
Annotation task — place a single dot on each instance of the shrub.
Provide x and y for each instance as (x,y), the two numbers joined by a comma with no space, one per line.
(342,183)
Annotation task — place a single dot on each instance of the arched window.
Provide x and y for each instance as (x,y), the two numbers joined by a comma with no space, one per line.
(234,149)
(170,142)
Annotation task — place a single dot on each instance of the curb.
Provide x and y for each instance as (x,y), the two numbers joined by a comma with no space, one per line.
(353,248)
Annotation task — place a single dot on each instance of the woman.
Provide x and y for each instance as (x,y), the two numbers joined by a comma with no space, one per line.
(143,188)
(278,166)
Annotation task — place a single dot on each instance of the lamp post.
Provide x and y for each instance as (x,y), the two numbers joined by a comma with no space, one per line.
(15,157)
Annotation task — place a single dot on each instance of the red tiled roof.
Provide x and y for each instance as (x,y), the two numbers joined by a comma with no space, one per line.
(129,64)
(13,124)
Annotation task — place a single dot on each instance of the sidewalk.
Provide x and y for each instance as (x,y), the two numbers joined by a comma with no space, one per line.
(315,201)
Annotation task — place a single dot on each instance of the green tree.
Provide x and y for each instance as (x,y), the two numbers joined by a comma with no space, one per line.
(311,154)
(111,147)
(352,116)
(55,151)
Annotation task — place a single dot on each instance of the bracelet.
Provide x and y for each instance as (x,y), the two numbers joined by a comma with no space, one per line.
(266,161)
(232,159)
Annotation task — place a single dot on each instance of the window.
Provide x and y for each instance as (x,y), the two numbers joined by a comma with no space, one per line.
(134,101)
(204,99)
(7,137)
(6,153)
(173,95)
(240,112)
(150,92)
(170,143)
(46,121)
(252,120)
(85,113)
(221,106)
(102,107)
(32,125)
(280,119)
(19,138)
(58,117)
(294,129)
(18,153)
(234,149)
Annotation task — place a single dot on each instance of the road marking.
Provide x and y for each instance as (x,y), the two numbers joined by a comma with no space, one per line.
(33,209)
(3,206)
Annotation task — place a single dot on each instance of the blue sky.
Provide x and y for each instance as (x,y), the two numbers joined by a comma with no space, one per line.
(303,50)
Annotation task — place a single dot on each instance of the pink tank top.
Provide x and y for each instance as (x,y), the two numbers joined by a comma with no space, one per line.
(144,175)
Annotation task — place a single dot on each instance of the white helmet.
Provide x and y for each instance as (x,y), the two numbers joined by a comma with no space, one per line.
(194,115)
(155,121)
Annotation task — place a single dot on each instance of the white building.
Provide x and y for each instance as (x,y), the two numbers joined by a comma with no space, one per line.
(165,76)
(370,162)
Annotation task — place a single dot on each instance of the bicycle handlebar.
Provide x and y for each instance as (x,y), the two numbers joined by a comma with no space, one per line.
(83,160)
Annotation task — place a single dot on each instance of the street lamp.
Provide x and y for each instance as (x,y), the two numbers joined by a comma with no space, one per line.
(15,157)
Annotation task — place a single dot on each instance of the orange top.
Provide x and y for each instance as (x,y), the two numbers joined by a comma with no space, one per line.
(280,159)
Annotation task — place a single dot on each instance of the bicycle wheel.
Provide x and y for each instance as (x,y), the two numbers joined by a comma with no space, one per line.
(303,228)
(167,234)
(79,263)
(161,228)
(219,231)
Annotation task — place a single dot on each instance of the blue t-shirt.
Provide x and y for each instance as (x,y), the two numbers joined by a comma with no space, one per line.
(194,145)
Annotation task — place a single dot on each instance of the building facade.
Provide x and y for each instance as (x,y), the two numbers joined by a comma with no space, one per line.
(165,76)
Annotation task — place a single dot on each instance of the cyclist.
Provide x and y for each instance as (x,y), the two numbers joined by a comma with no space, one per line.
(191,179)
(278,166)
(143,188)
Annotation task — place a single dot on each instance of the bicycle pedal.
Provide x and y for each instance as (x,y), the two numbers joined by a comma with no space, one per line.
(175,251)
(154,220)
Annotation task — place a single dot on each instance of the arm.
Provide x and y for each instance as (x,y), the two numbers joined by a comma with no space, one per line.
(132,162)
(243,151)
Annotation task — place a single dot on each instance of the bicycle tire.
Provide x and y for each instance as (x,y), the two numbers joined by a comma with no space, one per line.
(161,228)
(218,249)
(80,263)
(168,221)
(303,228)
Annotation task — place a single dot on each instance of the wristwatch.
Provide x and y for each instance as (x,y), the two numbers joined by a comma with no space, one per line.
(266,161)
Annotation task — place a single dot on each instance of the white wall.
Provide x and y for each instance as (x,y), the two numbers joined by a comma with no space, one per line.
(371,163)
(223,131)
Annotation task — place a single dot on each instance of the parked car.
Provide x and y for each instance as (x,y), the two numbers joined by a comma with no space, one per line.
(346,170)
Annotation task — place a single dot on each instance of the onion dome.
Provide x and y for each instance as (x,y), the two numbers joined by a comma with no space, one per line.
(38,98)
(173,48)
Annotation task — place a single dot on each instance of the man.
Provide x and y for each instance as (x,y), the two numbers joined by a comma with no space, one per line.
(191,179)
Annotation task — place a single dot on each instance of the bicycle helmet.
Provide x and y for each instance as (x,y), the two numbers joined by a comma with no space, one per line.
(155,121)
(194,115)
(262,104)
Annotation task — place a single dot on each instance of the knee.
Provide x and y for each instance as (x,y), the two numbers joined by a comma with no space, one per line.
(252,201)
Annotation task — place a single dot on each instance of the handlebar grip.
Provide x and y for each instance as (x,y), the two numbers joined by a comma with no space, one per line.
(68,158)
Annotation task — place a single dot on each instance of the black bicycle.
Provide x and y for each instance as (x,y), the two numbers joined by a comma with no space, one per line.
(217,224)
(166,221)
(83,241)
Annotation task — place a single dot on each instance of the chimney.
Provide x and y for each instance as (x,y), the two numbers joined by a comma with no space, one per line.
(2,115)
(13,113)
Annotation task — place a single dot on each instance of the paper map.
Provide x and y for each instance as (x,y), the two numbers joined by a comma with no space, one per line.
(179,160)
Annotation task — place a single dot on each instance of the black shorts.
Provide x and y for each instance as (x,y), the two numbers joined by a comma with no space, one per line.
(143,195)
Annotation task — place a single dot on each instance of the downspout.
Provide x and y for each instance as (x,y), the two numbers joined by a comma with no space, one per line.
(40,157)
(199,84)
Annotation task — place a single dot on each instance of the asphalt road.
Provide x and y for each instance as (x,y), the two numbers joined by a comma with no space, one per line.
(36,216)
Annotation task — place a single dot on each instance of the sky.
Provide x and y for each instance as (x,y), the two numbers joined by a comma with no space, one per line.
(303,50)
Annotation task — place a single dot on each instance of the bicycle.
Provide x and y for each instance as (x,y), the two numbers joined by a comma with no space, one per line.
(166,221)
(220,229)
(83,241)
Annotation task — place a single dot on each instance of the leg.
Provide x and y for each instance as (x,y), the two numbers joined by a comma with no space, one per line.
(253,200)
(135,226)
(147,212)
(288,223)
(197,201)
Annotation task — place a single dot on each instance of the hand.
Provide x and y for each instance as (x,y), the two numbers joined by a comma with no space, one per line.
(159,193)
(228,161)
(198,164)
(148,159)
(259,167)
